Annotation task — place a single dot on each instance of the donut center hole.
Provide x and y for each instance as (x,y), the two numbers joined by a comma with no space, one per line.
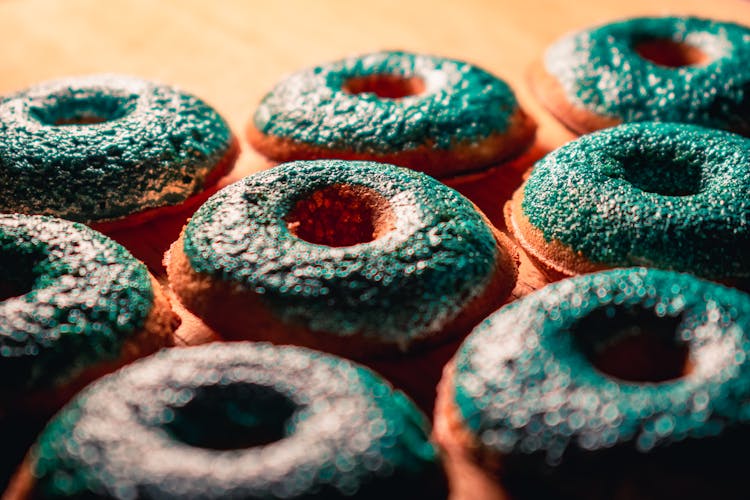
(232,417)
(670,53)
(18,272)
(341,215)
(82,110)
(663,173)
(385,86)
(633,344)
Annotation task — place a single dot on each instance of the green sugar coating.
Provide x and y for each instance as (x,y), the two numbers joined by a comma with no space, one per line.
(460,103)
(72,298)
(600,70)
(399,287)
(152,145)
(662,195)
(527,390)
(153,430)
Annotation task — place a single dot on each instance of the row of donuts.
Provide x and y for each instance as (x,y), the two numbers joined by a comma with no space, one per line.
(586,388)
(537,387)
(361,259)
(703,325)
(343,197)
(157,147)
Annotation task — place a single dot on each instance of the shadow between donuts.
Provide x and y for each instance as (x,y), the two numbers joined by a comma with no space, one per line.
(16,442)
(489,189)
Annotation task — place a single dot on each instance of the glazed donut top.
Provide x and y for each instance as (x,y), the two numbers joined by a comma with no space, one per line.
(436,253)
(239,420)
(663,195)
(526,383)
(601,70)
(101,147)
(72,297)
(459,103)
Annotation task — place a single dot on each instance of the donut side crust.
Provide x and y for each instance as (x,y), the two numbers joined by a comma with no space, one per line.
(21,485)
(225,307)
(472,472)
(555,259)
(551,94)
(462,157)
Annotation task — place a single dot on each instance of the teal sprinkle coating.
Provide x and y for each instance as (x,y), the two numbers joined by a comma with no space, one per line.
(460,103)
(75,297)
(152,145)
(662,195)
(600,70)
(527,390)
(397,288)
(342,431)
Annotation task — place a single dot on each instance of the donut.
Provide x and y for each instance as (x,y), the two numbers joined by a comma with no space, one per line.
(666,69)
(110,150)
(663,195)
(431,114)
(354,258)
(75,305)
(629,383)
(240,420)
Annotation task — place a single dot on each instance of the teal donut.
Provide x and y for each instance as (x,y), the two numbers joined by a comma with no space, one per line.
(73,298)
(436,255)
(662,195)
(526,385)
(238,420)
(103,147)
(453,104)
(395,287)
(600,70)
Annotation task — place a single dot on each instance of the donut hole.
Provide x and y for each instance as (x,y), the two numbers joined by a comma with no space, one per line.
(668,173)
(18,272)
(385,86)
(633,344)
(670,53)
(341,215)
(232,417)
(82,110)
